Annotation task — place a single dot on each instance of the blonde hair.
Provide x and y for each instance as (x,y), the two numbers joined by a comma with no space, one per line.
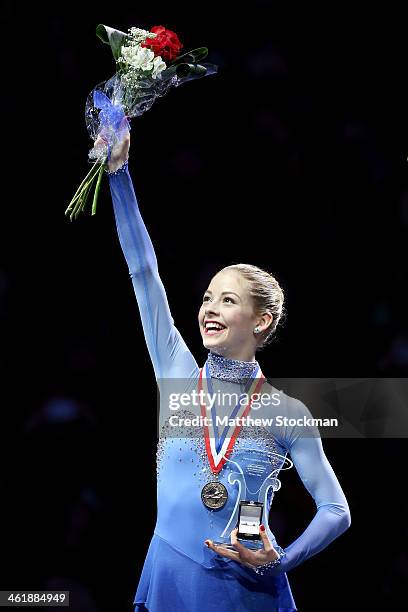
(266,293)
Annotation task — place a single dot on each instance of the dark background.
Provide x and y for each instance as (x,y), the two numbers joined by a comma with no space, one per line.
(293,158)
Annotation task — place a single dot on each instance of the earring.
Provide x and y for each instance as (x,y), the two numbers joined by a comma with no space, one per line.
(256,330)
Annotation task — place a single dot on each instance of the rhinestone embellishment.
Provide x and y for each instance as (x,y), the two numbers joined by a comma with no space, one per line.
(231,370)
(120,170)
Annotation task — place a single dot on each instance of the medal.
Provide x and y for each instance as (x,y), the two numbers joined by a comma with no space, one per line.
(214,494)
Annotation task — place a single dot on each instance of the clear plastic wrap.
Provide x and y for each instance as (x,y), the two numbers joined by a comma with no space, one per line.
(112,103)
(142,76)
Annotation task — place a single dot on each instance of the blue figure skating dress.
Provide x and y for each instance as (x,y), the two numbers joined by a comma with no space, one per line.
(180,573)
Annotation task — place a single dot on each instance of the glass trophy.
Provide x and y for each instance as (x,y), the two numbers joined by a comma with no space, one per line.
(252,477)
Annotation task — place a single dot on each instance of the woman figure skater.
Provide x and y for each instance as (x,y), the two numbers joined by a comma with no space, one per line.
(185,569)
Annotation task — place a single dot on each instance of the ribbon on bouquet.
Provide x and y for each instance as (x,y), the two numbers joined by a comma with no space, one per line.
(113,125)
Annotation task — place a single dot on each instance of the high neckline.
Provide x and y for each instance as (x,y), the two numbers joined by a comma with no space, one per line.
(232,370)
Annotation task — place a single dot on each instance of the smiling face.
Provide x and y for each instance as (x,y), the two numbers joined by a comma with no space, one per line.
(227,318)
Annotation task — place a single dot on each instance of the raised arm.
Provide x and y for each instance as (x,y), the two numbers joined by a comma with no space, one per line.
(169,354)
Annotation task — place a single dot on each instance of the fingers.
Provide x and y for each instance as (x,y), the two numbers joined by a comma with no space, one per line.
(221,550)
(124,132)
(99,140)
(124,123)
(235,542)
(250,556)
(245,554)
(265,538)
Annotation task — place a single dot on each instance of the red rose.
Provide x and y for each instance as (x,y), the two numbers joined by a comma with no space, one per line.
(166,43)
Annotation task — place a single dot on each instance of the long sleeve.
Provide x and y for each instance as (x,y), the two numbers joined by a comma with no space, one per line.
(332,516)
(168,352)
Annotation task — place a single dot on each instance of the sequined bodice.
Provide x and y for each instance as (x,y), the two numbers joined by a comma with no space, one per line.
(183,469)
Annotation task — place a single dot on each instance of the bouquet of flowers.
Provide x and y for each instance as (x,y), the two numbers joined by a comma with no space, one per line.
(148,64)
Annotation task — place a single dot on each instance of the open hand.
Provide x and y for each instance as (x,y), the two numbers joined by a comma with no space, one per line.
(244,555)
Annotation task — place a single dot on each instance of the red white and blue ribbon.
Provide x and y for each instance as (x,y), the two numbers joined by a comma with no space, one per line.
(220,448)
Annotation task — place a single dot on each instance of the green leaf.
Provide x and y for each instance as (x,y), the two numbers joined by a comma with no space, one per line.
(168,72)
(194,56)
(184,70)
(112,37)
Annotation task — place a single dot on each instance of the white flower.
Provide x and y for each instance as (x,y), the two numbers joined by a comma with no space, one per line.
(158,66)
(138,35)
(138,57)
(141,59)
